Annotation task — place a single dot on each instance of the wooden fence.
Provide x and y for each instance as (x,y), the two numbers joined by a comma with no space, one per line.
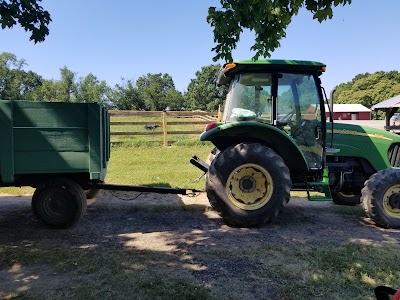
(197,118)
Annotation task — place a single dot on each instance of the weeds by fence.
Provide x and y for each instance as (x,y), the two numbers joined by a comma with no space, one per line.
(157,125)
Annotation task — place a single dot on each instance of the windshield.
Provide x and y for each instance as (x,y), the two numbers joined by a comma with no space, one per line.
(250,98)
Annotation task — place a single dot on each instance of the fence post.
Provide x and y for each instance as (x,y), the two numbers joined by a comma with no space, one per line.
(164,121)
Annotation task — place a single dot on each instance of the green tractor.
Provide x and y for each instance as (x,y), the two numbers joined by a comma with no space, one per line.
(274,137)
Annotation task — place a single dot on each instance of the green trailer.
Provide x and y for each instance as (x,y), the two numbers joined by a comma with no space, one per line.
(58,148)
(62,150)
(39,139)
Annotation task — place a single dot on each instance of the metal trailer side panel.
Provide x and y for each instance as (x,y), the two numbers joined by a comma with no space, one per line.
(6,142)
(53,138)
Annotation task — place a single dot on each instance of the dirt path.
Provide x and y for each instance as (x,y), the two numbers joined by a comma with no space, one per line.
(176,227)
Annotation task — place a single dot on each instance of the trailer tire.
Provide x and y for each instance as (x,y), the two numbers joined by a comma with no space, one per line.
(59,203)
(248,184)
(381,198)
(349,199)
(91,193)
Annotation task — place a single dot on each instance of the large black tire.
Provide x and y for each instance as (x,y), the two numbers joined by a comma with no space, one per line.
(91,193)
(248,184)
(381,198)
(59,203)
(341,198)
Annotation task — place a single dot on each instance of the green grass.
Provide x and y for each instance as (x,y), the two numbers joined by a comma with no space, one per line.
(348,271)
(105,274)
(166,166)
(148,165)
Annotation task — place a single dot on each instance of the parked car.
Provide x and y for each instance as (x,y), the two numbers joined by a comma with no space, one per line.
(395,118)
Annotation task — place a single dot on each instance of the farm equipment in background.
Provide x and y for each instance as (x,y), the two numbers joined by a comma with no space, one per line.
(274,138)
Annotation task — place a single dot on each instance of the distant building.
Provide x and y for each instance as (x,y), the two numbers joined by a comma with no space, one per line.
(349,112)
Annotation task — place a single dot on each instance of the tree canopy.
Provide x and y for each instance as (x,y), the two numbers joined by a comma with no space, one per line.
(29,14)
(158,92)
(268,19)
(202,92)
(369,89)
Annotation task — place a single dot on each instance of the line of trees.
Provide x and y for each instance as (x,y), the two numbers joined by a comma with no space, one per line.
(158,92)
(369,89)
(148,92)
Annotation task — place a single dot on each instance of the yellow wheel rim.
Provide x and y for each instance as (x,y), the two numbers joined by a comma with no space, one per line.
(249,187)
(391,201)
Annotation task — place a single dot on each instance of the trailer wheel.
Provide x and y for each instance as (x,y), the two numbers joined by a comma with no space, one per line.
(381,198)
(59,203)
(248,184)
(91,193)
(341,198)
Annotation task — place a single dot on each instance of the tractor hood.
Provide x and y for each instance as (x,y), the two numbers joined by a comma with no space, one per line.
(350,139)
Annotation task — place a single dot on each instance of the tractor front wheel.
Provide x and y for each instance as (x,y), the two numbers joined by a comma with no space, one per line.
(381,198)
(59,203)
(248,184)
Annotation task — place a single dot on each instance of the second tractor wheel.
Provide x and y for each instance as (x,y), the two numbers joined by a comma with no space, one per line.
(59,203)
(248,184)
(341,198)
(381,198)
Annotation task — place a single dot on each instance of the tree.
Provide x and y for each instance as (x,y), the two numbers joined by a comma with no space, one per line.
(49,91)
(29,14)
(126,96)
(369,89)
(90,89)
(15,83)
(62,90)
(267,18)
(67,84)
(202,92)
(156,90)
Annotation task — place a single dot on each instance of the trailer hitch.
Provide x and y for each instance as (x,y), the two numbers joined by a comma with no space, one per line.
(198,163)
(143,189)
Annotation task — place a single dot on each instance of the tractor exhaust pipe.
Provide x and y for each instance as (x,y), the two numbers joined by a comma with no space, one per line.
(331,100)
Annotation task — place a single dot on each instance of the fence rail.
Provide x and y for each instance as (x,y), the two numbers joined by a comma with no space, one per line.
(196,118)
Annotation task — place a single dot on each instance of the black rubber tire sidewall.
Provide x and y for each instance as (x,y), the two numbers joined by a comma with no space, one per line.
(372,197)
(340,199)
(231,158)
(69,195)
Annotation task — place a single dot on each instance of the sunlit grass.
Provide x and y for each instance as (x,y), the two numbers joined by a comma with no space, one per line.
(157,166)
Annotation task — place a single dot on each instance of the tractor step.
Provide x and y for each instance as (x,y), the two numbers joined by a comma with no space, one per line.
(320,185)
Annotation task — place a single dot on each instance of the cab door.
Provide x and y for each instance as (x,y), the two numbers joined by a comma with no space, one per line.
(299,106)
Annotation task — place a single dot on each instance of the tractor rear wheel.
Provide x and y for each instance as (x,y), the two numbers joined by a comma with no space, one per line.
(248,184)
(59,203)
(342,198)
(381,198)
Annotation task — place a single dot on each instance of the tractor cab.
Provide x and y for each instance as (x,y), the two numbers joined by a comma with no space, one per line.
(282,94)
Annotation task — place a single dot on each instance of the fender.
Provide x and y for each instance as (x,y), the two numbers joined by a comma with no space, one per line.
(225,135)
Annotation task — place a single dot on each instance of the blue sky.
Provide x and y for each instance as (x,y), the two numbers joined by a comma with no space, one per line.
(132,38)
